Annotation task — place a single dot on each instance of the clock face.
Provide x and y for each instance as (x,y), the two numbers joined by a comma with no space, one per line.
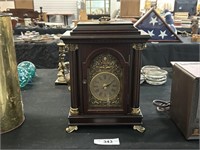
(105,86)
(105,80)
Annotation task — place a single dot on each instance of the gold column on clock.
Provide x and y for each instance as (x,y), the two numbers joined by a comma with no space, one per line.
(105,74)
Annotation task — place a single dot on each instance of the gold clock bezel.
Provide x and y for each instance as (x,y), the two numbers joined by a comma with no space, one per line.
(113,96)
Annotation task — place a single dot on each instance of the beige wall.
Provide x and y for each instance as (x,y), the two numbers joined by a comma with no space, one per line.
(7,4)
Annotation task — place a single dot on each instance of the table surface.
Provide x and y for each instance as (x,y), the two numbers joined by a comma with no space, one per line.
(46,108)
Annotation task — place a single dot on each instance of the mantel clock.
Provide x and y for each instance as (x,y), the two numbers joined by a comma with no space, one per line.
(105,74)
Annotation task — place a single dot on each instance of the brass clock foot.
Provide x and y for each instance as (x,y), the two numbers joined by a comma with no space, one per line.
(59,82)
(139,128)
(70,129)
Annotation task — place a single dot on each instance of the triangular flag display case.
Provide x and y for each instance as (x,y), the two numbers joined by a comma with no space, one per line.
(105,74)
(153,24)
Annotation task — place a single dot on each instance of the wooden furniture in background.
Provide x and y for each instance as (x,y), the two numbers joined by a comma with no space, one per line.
(184,109)
(44,17)
(20,13)
(129,8)
(83,15)
(27,4)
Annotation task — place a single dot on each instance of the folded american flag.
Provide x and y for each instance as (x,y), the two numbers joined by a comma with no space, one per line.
(156,27)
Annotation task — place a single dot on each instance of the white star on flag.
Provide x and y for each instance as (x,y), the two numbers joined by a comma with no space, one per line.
(153,20)
(151,33)
(162,34)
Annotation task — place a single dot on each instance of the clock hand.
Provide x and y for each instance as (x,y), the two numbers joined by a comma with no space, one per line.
(106,85)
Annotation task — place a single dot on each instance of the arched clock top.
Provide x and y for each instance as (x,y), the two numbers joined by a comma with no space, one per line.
(111,51)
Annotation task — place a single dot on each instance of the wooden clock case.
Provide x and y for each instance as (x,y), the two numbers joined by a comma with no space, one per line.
(96,47)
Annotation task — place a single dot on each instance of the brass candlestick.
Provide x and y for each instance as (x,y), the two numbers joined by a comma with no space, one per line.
(63,67)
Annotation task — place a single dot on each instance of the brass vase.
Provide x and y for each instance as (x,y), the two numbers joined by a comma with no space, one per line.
(11,106)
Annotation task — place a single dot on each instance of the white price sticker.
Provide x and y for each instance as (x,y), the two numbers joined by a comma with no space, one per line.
(107,141)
